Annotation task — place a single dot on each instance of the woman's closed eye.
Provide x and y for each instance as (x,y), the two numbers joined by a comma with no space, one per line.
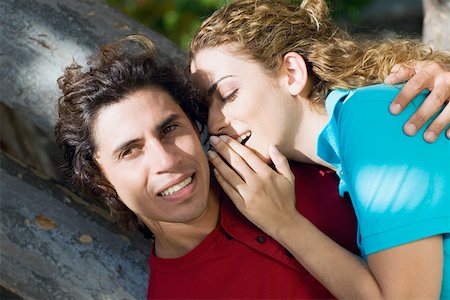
(231,96)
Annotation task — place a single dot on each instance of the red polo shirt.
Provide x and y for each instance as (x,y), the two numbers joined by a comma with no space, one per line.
(237,260)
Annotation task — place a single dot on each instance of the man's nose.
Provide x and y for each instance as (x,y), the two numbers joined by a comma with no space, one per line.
(217,121)
(163,158)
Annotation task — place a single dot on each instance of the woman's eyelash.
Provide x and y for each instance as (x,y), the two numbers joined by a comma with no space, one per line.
(231,96)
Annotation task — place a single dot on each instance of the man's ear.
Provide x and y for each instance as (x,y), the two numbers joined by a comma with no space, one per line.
(297,74)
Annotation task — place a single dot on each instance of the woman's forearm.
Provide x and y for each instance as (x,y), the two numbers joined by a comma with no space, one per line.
(413,270)
(344,274)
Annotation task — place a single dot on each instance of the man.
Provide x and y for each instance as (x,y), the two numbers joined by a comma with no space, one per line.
(127,130)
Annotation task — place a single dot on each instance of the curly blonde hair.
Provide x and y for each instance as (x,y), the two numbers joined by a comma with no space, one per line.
(266,30)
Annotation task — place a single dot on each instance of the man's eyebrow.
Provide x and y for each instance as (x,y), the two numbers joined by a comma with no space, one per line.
(213,87)
(159,128)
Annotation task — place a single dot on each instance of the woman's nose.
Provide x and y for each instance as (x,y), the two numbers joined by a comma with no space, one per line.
(216,120)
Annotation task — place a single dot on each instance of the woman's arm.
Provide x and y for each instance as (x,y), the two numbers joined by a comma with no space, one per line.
(267,198)
(413,270)
(410,271)
(421,75)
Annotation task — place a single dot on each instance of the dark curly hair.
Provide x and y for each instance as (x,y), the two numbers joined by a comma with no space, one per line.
(114,73)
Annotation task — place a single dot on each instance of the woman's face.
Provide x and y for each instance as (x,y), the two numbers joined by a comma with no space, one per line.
(245,102)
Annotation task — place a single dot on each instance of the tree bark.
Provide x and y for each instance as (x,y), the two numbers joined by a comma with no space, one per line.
(55,244)
(436,24)
(38,38)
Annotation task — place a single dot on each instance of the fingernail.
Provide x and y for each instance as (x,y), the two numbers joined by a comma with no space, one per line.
(410,129)
(212,154)
(388,79)
(395,108)
(224,138)
(274,149)
(216,172)
(213,139)
(430,136)
(395,69)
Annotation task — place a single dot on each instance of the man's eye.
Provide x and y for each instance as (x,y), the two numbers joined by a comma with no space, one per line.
(169,129)
(231,97)
(129,153)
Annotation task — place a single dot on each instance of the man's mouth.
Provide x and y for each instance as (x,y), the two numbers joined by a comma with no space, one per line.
(244,138)
(176,187)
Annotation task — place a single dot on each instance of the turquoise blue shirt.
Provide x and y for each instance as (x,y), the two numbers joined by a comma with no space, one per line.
(399,185)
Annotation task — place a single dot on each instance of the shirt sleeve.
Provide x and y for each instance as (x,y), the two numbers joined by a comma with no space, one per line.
(399,185)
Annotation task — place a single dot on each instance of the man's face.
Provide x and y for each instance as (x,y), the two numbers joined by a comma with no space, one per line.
(150,152)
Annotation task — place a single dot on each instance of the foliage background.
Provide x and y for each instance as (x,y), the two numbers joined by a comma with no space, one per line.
(178,19)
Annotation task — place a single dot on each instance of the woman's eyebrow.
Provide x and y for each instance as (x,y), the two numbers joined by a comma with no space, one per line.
(213,87)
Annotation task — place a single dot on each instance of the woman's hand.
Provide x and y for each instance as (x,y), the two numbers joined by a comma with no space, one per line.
(266,197)
(423,75)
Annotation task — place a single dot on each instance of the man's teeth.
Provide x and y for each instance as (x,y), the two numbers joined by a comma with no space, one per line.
(177,187)
(243,137)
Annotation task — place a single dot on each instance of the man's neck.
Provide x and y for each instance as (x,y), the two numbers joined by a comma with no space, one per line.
(177,239)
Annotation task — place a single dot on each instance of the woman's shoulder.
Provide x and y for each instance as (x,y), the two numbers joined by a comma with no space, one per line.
(378,93)
(375,92)
(368,99)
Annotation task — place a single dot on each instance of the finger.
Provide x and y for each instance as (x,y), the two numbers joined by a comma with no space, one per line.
(447,134)
(400,73)
(281,163)
(410,90)
(228,173)
(232,193)
(231,157)
(252,160)
(438,125)
(432,105)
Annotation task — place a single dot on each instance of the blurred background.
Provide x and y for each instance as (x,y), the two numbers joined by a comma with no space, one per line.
(178,19)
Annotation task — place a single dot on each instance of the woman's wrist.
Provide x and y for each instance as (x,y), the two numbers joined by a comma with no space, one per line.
(287,229)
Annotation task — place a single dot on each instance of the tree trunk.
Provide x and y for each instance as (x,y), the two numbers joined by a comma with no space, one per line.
(55,244)
(38,38)
(436,24)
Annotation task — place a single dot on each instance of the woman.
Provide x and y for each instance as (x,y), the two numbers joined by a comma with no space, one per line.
(284,77)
